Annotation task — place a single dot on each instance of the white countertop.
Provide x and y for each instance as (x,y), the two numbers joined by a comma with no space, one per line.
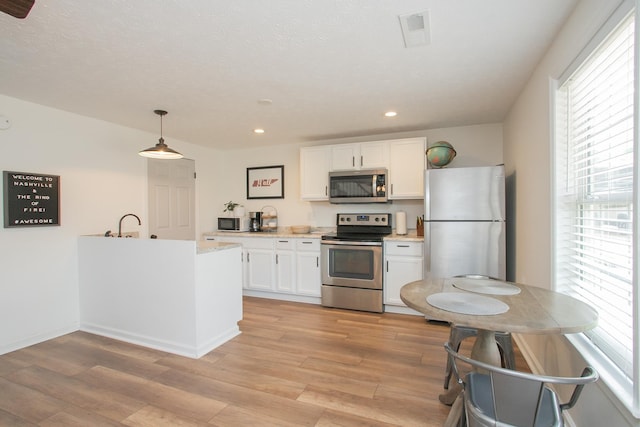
(316,233)
(206,246)
(201,246)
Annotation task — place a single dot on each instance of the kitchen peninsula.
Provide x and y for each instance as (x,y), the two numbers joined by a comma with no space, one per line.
(179,296)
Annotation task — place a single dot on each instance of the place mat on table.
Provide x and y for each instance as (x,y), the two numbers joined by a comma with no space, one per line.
(485,286)
(463,303)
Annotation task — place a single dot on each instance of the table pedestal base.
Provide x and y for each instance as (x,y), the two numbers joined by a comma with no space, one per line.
(485,349)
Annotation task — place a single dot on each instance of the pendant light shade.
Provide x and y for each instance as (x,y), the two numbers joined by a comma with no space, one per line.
(160,150)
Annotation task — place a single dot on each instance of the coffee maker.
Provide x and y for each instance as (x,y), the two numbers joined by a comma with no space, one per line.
(255,221)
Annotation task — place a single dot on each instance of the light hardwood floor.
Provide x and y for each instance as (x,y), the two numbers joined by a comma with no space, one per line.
(293,365)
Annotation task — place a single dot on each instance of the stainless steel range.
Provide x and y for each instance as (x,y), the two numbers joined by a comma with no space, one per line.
(351,261)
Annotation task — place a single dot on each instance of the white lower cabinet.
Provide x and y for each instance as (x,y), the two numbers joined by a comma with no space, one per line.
(403,263)
(308,279)
(282,265)
(285,265)
(258,261)
(260,266)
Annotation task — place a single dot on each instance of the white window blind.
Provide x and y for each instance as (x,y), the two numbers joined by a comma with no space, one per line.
(594,188)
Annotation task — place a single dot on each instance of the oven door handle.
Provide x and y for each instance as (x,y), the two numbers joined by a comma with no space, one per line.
(349,243)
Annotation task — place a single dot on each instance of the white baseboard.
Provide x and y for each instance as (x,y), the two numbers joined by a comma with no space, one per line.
(37,339)
(181,349)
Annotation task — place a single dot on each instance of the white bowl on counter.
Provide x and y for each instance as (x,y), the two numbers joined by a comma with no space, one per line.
(300,229)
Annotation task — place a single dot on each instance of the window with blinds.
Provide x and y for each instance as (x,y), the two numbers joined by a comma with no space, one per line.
(594,191)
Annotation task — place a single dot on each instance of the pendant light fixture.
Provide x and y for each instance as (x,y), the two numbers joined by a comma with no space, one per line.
(160,150)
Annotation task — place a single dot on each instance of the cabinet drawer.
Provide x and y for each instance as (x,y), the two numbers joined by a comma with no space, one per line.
(257,243)
(403,248)
(312,245)
(285,244)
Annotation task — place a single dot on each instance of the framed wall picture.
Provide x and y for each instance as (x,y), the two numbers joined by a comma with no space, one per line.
(31,199)
(265,182)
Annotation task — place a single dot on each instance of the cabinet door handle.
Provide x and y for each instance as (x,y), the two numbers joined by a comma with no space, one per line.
(317,261)
(283,241)
(387,266)
(402,246)
(307,243)
(248,256)
(276,258)
(326,191)
(392,189)
(361,161)
(353,161)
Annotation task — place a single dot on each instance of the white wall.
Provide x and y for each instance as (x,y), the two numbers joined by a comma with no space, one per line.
(476,146)
(527,151)
(101,179)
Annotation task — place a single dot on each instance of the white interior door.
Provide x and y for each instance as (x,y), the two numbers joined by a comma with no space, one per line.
(172,198)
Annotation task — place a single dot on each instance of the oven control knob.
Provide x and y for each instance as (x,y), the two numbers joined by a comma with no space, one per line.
(377,219)
(348,219)
(384,219)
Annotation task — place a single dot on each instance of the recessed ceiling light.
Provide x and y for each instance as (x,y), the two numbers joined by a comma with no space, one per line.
(390,114)
(265,101)
(258,131)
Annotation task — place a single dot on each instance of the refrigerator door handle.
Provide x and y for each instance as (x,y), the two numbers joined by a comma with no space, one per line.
(427,249)
(497,190)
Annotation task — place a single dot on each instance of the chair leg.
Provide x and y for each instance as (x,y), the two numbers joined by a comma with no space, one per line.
(456,336)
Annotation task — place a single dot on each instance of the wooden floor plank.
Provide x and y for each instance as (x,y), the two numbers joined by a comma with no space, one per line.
(293,365)
(77,417)
(157,394)
(89,396)
(27,403)
(151,416)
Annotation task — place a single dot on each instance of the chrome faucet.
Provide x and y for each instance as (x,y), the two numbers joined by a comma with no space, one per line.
(120,223)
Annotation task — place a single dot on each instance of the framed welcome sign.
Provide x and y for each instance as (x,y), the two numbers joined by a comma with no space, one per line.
(266,182)
(31,199)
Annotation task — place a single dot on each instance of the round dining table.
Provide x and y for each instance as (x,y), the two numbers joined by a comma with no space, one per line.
(526,309)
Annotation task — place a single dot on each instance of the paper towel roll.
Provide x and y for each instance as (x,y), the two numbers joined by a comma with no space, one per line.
(401,222)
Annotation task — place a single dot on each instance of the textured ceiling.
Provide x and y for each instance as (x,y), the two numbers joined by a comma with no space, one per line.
(330,67)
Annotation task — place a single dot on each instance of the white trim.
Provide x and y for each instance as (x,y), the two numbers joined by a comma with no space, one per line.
(38,338)
(613,382)
(636,223)
(609,24)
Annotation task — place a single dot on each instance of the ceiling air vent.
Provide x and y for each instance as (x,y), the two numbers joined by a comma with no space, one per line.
(416,29)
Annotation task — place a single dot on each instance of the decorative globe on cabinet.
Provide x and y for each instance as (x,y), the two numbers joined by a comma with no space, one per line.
(440,154)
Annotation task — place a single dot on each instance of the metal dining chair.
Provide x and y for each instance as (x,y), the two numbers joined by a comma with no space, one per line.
(459,333)
(497,396)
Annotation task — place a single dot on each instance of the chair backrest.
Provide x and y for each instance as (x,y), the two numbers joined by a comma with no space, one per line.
(519,396)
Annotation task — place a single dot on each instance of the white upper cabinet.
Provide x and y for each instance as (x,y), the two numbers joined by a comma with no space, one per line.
(407,163)
(366,155)
(404,159)
(314,172)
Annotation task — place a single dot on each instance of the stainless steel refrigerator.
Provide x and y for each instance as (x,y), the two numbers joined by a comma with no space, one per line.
(464,222)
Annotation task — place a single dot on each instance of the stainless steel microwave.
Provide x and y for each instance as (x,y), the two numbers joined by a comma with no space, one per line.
(361,186)
(233,224)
